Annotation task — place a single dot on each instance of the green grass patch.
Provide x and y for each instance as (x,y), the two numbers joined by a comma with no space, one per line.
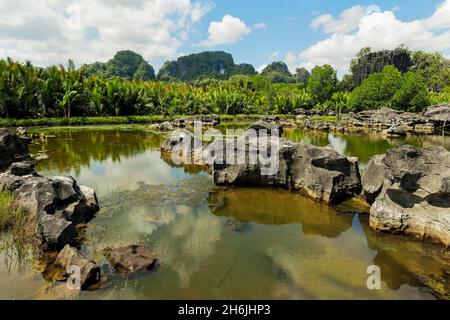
(82,121)
(18,234)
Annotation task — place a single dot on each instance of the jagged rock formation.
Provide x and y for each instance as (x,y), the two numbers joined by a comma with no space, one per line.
(58,204)
(409,189)
(251,161)
(386,118)
(373,62)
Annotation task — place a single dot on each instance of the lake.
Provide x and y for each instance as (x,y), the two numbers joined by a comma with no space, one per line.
(224,243)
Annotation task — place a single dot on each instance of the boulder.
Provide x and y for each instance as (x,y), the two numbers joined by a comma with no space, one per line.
(166,126)
(131,259)
(409,189)
(22,168)
(12,149)
(58,204)
(267,128)
(70,258)
(395,131)
(320,173)
(183,146)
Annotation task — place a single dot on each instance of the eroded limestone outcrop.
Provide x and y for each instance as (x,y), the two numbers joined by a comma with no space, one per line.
(58,204)
(409,189)
(252,160)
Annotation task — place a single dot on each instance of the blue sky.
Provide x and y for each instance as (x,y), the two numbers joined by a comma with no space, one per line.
(299,32)
(288,23)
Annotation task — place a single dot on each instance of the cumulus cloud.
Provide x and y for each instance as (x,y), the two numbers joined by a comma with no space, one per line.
(369,27)
(347,21)
(226,31)
(51,31)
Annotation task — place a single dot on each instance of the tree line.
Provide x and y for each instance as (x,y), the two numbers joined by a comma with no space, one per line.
(123,88)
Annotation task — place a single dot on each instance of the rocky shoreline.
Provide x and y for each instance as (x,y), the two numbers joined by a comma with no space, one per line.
(392,123)
(408,188)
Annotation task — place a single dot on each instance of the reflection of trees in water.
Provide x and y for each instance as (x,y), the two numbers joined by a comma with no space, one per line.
(308,137)
(279,207)
(73,148)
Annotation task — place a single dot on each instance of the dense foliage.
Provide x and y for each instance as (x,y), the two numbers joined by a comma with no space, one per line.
(216,64)
(125,64)
(119,88)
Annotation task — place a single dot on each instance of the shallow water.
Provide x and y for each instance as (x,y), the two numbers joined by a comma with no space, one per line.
(216,243)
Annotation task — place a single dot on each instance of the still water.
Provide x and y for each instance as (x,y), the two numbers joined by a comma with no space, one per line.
(216,243)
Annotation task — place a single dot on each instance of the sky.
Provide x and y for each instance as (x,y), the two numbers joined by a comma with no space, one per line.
(302,33)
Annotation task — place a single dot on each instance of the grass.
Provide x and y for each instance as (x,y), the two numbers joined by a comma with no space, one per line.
(81,121)
(18,237)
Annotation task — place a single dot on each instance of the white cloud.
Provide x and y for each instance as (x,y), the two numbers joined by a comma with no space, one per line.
(261,68)
(227,31)
(52,31)
(274,55)
(375,29)
(347,21)
(261,25)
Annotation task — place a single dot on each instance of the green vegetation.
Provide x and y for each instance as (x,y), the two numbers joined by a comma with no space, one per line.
(125,64)
(69,96)
(391,89)
(18,240)
(216,65)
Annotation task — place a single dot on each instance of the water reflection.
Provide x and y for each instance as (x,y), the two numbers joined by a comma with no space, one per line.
(216,243)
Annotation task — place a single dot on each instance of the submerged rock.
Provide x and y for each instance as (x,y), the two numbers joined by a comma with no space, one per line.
(409,189)
(70,258)
(12,149)
(132,259)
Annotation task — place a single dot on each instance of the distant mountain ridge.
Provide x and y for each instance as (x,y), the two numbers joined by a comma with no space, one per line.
(125,64)
(208,64)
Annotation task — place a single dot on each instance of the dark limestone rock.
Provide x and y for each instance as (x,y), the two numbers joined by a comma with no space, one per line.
(12,149)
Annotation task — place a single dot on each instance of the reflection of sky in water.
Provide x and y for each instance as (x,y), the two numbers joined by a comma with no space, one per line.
(291,247)
(338,144)
(108,175)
